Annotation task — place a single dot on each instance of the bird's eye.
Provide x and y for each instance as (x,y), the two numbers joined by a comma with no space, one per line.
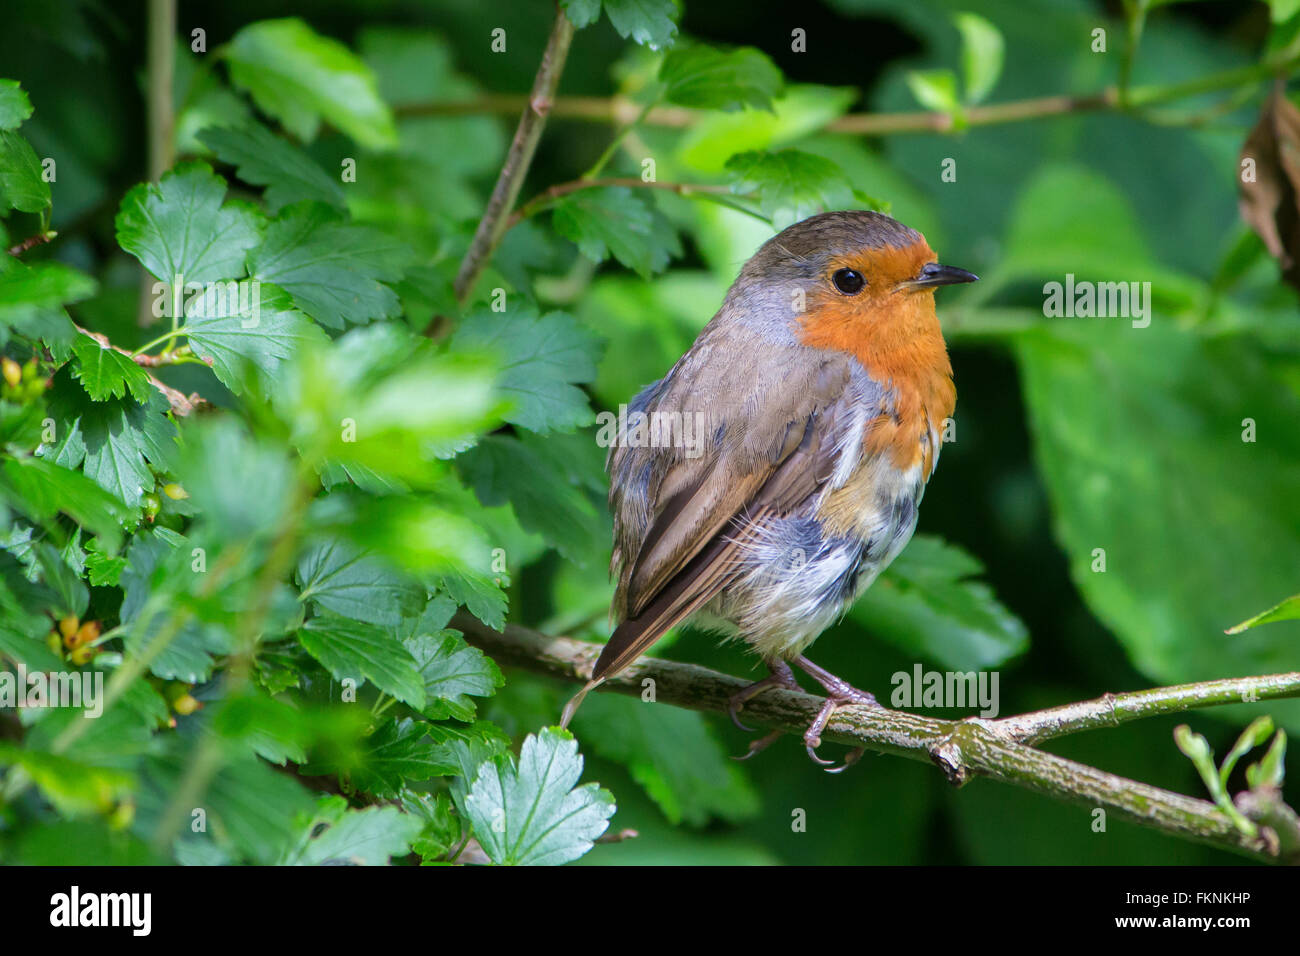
(848,281)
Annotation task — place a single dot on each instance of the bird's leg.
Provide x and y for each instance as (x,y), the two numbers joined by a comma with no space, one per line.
(838,692)
(779,675)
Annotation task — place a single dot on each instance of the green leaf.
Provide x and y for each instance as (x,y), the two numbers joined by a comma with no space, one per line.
(40,286)
(15,107)
(543,359)
(1260,729)
(934,89)
(237,326)
(220,463)
(338,835)
(982,50)
(22,186)
(614,221)
(708,78)
(114,441)
(1288,610)
(381,399)
(530,814)
(39,489)
(673,754)
(398,754)
(801,110)
(791,184)
(1271,771)
(650,23)
(453,672)
(502,469)
(107,373)
(332,269)
(926,604)
(72,786)
(264,159)
(157,565)
(583,13)
(351,649)
(180,228)
(342,578)
(302,78)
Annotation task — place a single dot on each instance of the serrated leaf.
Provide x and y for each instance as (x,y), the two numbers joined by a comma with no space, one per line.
(332,269)
(543,359)
(502,469)
(302,78)
(39,489)
(264,159)
(614,221)
(453,673)
(529,813)
(180,227)
(107,373)
(705,77)
(342,578)
(399,753)
(237,325)
(791,184)
(926,604)
(348,648)
(338,835)
(670,752)
(22,186)
(15,107)
(480,595)
(651,23)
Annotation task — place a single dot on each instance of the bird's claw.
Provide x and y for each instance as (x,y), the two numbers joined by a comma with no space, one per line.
(759,745)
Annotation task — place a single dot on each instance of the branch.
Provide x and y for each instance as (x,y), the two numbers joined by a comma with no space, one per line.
(960,748)
(622,110)
(531,123)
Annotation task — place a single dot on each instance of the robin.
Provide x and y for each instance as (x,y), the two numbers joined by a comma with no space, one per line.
(822,385)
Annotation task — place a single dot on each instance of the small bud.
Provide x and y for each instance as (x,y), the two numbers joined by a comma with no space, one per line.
(83,655)
(186,705)
(68,626)
(175,492)
(151,505)
(54,643)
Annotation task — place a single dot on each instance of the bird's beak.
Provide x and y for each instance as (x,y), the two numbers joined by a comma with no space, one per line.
(933,274)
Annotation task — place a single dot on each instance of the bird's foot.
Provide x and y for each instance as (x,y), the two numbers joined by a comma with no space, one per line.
(779,675)
(838,693)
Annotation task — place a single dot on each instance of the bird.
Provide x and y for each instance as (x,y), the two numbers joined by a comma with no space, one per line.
(819,391)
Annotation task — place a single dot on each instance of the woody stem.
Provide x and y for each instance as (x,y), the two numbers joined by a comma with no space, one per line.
(991,748)
(531,123)
(620,110)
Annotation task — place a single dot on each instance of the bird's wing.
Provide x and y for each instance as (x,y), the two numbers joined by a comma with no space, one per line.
(681,522)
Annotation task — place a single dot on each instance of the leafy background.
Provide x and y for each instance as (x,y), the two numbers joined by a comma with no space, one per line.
(238,571)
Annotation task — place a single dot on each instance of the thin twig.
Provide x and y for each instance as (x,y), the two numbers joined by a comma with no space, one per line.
(531,123)
(961,748)
(32,242)
(622,110)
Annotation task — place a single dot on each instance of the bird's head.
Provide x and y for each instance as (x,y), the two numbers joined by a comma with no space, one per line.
(851,280)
